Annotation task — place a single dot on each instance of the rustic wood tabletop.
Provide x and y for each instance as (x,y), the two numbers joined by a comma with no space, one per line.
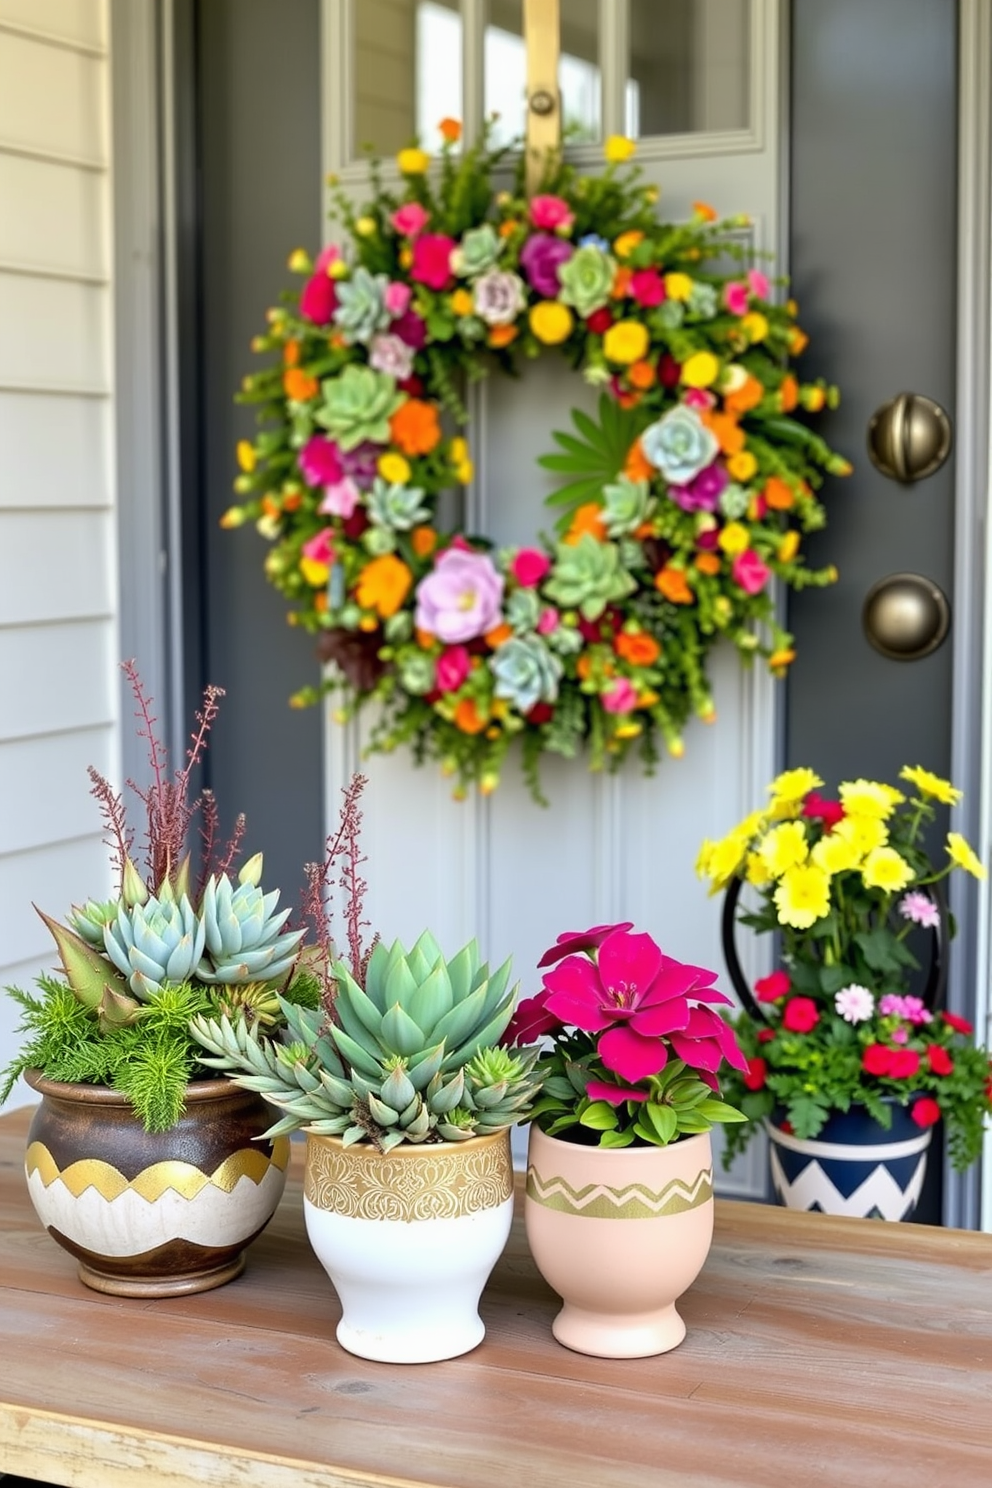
(835,1353)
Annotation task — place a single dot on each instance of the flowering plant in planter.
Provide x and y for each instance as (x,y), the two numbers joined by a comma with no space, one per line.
(636,1046)
(168,945)
(844,882)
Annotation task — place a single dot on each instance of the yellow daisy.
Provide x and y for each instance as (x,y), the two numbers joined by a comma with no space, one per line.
(785,847)
(886,869)
(835,854)
(802,897)
(755,871)
(964,856)
(792,785)
(869,798)
(864,833)
(725,859)
(929,784)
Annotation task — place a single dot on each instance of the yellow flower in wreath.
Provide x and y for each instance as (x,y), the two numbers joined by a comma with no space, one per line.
(384,585)
(551,322)
(701,370)
(413,162)
(618,148)
(394,469)
(626,342)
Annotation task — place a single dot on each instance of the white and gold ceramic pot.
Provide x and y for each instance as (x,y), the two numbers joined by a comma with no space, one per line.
(409,1238)
(153,1214)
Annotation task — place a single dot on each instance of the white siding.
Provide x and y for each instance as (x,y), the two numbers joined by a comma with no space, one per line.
(58,559)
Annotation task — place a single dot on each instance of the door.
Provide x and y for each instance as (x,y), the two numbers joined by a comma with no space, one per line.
(705,86)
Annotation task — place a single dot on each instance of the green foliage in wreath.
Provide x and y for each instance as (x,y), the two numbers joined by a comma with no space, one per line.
(680,502)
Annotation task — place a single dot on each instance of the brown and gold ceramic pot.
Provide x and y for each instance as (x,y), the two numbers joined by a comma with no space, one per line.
(153,1214)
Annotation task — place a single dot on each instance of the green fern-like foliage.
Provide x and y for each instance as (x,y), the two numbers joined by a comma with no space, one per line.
(150,1061)
(590,459)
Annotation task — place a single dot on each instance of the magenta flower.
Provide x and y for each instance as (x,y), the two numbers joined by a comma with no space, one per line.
(451,669)
(635,997)
(410,219)
(461,599)
(432,261)
(703,492)
(621,697)
(540,258)
(551,213)
(529,567)
(598,1090)
(320,547)
(572,941)
(548,621)
(750,572)
(320,461)
(647,287)
(397,298)
(735,297)
(411,328)
(706,1041)
(698,398)
(318,298)
(530,1021)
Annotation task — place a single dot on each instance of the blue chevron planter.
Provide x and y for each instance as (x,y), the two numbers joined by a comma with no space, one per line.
(853,1167)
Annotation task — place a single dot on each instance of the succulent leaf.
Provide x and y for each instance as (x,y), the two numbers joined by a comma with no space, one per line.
(400,1033)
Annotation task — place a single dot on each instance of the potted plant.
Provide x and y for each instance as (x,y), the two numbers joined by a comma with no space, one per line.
(619,1201)
(850,1064)
(407,1101)
(140,1162)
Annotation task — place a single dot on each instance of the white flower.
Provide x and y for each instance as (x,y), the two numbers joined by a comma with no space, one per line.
(855,1004)
(391,355)
(499,297)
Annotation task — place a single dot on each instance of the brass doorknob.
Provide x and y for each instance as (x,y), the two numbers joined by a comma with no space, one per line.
(906,616)
(909,437)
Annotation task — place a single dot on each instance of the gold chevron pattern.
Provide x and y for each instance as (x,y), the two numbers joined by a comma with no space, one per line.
(636,1201)
(152,1182)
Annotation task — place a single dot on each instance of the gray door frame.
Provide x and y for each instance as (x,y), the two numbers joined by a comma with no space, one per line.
(149,455)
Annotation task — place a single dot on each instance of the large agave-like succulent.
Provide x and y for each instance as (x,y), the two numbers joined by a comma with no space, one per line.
(243,936)
(155,943)
(409,1057)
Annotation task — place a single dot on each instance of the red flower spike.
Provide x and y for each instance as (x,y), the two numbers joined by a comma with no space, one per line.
(757,1071)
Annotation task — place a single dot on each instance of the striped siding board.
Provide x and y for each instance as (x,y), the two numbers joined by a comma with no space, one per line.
(58,547)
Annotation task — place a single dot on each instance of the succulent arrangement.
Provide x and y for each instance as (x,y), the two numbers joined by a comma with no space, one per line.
(136,968)
(405,1044)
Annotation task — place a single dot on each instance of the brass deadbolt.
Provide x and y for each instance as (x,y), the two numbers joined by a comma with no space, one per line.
(909,437)
(906,616)
(542,102)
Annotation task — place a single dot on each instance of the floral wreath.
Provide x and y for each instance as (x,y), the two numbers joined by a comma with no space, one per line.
(680,502)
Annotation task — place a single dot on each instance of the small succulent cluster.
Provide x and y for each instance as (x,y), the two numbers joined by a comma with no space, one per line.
(409,1056)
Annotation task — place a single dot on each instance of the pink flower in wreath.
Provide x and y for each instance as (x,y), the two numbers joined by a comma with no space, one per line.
(318,299)
(320,547)
(340,499)
(432,261)
(320,461)
(410,219)
(529,567)
(548,621)
(397,298)
(621,698)
(451,668)
(750,572)
(551,214)
(735,297)
(758,283)
(647,287)
(461,599)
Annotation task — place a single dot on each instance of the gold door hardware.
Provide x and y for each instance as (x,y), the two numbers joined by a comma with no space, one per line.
(542,37)
(906,616)
(909,437)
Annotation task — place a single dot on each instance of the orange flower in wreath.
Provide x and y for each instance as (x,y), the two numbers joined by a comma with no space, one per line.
(468,718)
(299,385)
(672,583)
(414,427)
(588,518)
(384,585)
(639,648)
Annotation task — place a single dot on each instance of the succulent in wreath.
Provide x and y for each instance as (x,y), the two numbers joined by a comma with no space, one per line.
(409,1057)
(243,936)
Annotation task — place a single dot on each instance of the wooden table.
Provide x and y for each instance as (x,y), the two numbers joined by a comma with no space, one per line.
(844,1353)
